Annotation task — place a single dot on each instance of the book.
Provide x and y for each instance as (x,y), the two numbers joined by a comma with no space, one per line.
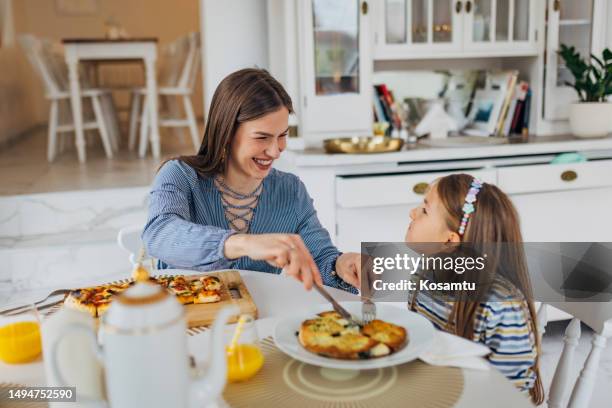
(378,108)
(520,91)
(527,108)
(509,94)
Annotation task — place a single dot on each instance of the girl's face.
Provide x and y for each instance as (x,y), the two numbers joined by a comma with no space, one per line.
(428,221)
(257,143)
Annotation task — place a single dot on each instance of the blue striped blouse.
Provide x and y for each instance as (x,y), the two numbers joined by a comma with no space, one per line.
(187,228)
(502,323)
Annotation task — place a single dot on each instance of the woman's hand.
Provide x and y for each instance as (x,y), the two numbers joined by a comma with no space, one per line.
(286,251)
(348,267)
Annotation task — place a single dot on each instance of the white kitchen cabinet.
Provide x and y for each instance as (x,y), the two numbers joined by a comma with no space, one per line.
(335,68)
(566,216)
(375,208)
(562,202)
(407,29)
(578,23)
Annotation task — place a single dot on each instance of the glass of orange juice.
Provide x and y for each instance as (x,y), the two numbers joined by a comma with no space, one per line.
(245,359)
(20,336)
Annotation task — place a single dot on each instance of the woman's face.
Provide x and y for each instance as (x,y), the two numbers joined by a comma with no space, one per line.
(257,143)
(428,221)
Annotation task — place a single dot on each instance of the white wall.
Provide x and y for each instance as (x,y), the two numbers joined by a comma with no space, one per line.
(234,36)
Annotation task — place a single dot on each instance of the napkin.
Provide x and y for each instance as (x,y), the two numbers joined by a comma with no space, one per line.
(454,351)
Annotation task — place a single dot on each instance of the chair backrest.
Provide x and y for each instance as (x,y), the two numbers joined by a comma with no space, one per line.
(44,62)
(181,62)
(596,315)
(129,239)
(192,62)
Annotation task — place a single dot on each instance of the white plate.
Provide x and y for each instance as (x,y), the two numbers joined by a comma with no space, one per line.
(420,336)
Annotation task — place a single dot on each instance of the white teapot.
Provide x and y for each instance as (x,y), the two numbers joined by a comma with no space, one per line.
(144,353)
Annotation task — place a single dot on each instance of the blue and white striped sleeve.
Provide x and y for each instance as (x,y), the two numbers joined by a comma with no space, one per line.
(317,239)
(505,327)
(170,235)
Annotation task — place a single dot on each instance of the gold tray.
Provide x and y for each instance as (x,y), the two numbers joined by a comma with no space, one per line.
(360,145)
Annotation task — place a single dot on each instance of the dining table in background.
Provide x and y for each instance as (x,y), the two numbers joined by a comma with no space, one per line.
(278,296)
(101,49)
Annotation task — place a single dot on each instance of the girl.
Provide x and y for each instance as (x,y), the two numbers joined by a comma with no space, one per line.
(226,207)
(460,210)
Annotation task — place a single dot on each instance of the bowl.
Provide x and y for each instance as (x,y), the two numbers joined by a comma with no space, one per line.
(363,145)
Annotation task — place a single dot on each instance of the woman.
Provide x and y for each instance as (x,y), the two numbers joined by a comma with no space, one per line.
(226,207)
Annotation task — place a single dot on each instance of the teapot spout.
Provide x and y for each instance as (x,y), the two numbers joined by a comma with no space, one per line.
(206,389)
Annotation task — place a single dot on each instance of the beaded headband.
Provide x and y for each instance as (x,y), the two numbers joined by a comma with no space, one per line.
(468,207)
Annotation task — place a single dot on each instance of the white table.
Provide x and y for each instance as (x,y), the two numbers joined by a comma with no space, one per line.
(82,49)
(278,296)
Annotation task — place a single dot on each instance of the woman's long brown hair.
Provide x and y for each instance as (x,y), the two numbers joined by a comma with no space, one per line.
(494,223)
(244,95)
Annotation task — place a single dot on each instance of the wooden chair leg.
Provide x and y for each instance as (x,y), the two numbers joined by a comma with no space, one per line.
(193,125)
(52,138)
(144,128)
(175,112)
(134,114)
(113,119)
(583,390)
(111,124)
(65,117)
(108,149)
(560,385)
(542,320)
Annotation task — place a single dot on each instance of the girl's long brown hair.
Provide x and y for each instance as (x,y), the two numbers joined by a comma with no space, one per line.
(494,223)
(244,95)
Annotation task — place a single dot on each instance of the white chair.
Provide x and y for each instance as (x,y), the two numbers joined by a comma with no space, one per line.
(53,73)
(598,316)
(129,239)
(178,80)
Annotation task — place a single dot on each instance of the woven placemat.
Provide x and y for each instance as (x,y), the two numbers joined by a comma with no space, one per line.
(284,381)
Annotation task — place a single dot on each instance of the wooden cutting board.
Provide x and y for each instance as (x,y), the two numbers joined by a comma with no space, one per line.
(234,291)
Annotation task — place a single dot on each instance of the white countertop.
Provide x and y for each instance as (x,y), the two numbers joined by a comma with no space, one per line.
(422,153)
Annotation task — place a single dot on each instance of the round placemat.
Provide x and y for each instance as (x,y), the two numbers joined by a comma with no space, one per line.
(284,381)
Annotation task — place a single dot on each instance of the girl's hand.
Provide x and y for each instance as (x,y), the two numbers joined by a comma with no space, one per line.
(286,251)
(348,267)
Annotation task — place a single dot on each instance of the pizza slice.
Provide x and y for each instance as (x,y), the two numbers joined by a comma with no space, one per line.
(211,282)
(207,296)
(79,299)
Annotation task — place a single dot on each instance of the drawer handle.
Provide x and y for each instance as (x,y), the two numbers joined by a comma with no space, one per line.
(458,7)
(364,8)
(569,175)
(420,188)
(468,7)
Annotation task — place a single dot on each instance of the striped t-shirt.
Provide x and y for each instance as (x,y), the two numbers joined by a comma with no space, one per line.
(187,228)
(502,323)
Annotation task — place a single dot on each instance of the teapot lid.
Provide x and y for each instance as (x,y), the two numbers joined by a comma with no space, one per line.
(145,305)
(143,293)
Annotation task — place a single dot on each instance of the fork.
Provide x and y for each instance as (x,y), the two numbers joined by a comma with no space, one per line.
(16,309)
(368,310)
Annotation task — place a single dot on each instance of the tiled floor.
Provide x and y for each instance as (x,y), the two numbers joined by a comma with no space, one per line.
(24,168)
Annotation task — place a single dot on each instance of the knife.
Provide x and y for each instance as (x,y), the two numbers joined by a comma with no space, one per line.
(343,312)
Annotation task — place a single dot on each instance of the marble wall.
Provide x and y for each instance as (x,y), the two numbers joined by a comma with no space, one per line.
(63,239)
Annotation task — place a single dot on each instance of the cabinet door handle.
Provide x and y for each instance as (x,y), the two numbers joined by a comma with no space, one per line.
(420,188)
(468,6)
(458,7)
(364,8)
(557,5)
(569,175)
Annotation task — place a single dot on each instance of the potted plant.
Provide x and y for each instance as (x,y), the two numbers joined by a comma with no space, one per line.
(592,115)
